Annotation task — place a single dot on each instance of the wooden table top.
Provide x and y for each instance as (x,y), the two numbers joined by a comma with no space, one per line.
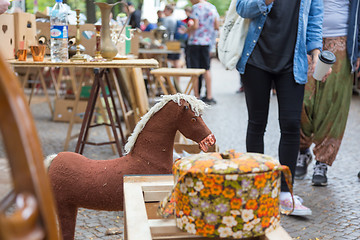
(178,71)
(157,51)
(127,63)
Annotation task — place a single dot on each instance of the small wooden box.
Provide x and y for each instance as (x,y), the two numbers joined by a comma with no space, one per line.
(173,45)
(25,29)
(7,36)
(65,107)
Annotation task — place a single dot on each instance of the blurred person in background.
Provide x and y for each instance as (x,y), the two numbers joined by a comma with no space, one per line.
(135,15)
(4,5)
(205,22)
(170,23)
(148,26)
(326,104)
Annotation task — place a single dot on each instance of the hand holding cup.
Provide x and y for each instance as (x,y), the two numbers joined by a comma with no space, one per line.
(323,65)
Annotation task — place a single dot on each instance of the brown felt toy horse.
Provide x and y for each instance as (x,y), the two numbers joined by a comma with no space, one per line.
(98,184)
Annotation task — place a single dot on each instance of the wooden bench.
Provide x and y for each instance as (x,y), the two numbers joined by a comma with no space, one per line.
(163,75)
(142,195)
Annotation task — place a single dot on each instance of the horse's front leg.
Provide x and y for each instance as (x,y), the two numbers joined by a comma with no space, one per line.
(67,216)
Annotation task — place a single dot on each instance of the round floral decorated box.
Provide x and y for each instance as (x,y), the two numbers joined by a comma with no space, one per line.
(233,195)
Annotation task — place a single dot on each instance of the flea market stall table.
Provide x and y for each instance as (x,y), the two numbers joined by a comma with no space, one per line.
(103,71)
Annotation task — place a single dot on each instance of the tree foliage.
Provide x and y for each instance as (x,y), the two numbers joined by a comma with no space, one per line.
(221,5)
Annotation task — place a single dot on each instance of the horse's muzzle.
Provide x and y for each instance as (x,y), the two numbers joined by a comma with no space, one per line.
(207,142)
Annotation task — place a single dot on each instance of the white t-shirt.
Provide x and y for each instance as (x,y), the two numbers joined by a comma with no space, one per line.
(336,17)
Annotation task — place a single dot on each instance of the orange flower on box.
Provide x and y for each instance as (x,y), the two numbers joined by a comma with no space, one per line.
(199,223)
(228,193)
(216,189)
(265,222)
(235,203)
(268,175)
(245,168)
(251,204)
(218,179)
(209,229)
(203,164)
(185,199)
(186,209)
(263,199)
(253,163)
(269,202)
(271,211)
(262,210)
(208,182)
(269,164)
(200,231)
(205,192)
(260,181)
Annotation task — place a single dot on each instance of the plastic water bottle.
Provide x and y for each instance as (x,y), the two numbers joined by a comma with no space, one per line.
(59,33)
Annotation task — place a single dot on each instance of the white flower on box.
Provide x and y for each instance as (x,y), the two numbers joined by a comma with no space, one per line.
(229,221)
(247,215)
(189,182)
(183,188)
(235,212)
(231,177)
(225,232)
(190,228)
(192,194)
(184,220)
(248,227)
(199,186)
(179,223)
(256,221)
(237,234)
(274,193)
(225,165)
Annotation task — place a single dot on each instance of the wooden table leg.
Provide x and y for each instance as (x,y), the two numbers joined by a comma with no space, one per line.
(160,80)
(33,86)
(26,77)
(88,113)
(170,84)
(120,98)
(42,80)
(105,118)
(73,114)
(190,85)
(73,79)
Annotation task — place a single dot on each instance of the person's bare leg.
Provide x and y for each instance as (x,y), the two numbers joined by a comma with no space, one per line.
(207,76)
(196,88)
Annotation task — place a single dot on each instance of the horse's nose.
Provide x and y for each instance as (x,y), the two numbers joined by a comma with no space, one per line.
(206,142)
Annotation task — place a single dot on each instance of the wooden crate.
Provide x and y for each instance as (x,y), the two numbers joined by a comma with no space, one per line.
(7,36)
(142,195)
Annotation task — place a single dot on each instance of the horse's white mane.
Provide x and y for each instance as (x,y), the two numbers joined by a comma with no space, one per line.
(197,106)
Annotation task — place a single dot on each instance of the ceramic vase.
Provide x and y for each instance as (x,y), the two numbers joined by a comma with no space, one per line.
(108,49)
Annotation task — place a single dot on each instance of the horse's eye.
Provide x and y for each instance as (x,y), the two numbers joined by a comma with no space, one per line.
(193,120)
(186,107)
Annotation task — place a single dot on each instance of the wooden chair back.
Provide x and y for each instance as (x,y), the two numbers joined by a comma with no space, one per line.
(28,211)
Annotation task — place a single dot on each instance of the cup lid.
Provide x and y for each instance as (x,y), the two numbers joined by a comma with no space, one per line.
(327,57)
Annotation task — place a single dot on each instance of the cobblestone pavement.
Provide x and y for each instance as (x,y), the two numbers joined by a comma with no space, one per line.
(336,208)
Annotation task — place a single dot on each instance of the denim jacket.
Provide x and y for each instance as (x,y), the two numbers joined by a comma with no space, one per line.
(309,34)
(353,37)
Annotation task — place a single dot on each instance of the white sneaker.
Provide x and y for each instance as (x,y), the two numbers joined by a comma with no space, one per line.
(299,209)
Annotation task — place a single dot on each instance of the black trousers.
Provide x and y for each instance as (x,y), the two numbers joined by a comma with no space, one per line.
(257,87)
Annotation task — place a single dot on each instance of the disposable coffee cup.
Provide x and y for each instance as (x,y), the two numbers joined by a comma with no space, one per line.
(326,60)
